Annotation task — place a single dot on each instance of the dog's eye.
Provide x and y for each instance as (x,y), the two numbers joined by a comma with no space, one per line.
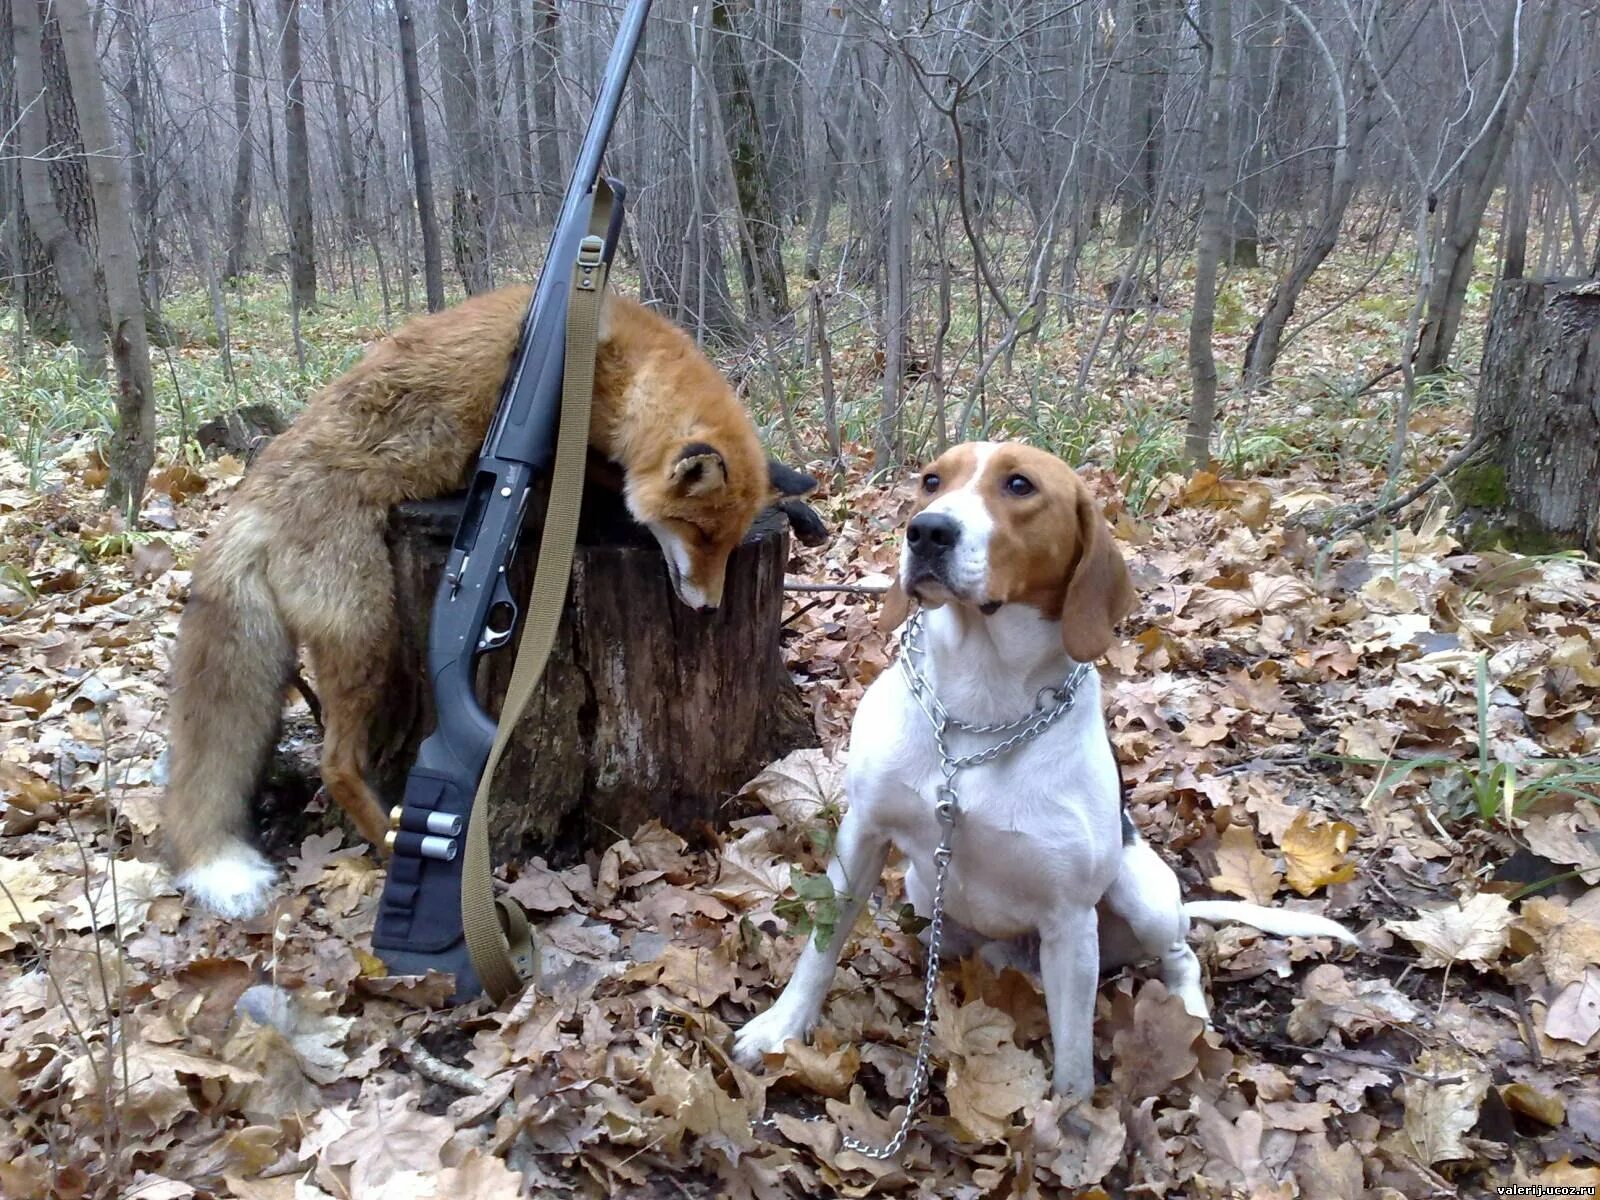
(930,482)
(1020,485)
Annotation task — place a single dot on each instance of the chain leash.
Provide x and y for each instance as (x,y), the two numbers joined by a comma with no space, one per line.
(1052,704)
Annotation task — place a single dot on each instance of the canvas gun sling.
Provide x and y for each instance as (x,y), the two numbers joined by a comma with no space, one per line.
(499,937)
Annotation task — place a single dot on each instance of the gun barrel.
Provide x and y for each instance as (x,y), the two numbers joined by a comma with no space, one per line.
(524,425)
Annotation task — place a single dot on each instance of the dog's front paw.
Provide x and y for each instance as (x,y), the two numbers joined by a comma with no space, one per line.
(765,1035)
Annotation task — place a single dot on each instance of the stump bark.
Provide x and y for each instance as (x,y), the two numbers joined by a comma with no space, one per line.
(647,709)
(1540,388)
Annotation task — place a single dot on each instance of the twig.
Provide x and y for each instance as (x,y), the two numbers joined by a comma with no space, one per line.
(302,686)
(1451,465)
(429,1067)
(1526,1019)
(853,589)
(1357,1059)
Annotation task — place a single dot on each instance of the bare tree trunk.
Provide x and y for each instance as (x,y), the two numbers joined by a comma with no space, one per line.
(469,239)
(133,438)
(1244,234)
(546,45)
(1146,84)
(297,165)
(135,62)
(69,253)
(519,81)
(1218,175)
(760,249)
(1350,137)
(1518,61)
(348,200)
(889,442)
(421,167)
(1514,230)
(244,156)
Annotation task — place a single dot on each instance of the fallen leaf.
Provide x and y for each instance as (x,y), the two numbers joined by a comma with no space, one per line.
(990,1077)
(1315,854)
(1242,869)
(1473,931)
(1441,1104)
(1574,1015)
(1157,1048)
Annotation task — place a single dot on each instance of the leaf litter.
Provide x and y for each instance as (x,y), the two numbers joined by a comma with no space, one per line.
(1317,741)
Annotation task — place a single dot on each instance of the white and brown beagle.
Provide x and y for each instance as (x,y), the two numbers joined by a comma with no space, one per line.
(1020,579)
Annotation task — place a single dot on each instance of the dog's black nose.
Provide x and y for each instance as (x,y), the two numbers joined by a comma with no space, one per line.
(932,533)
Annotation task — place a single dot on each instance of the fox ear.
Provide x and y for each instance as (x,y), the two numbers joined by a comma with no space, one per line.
(1100,592)
(896,608)
(787,481)
(698,470)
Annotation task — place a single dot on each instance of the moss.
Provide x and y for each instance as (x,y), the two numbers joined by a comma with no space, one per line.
(1509,534)
(1481,485)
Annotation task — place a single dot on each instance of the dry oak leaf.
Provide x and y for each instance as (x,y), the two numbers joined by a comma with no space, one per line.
(1315,854)
(150,1095)
(799,788)
(1566,943)
(1242,869)
(1574,1015)
(990,1077)
(822,1068)
(1076,1158)
(1157,1048)
(1473,931)
(1332,1001)
(1441,1102)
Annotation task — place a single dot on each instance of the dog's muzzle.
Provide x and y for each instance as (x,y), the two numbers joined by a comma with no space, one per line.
(931,539)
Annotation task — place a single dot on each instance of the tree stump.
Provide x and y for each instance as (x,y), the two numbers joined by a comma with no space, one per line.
(647,709)
(1540,388)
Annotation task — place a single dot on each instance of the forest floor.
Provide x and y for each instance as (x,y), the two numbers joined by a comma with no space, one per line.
(1397,729)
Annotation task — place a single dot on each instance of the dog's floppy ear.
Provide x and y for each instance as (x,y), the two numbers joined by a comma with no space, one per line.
(787,481)
(896,608)
(698,469)
(1100,592)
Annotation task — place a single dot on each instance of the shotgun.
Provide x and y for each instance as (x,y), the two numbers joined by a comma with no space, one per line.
(420,915)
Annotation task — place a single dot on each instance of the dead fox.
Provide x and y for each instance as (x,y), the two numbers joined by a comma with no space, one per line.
(300,559)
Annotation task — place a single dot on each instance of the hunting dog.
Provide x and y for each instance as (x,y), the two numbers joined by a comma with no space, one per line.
(300,559)
(1020,582)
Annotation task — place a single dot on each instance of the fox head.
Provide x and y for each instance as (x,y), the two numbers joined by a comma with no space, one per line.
(701,499)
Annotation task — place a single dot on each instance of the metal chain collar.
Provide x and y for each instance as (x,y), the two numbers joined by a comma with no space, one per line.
(1051,705)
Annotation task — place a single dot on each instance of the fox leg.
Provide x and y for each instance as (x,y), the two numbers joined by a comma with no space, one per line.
(350,678)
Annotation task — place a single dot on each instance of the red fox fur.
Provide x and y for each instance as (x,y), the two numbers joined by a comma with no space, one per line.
(300,560)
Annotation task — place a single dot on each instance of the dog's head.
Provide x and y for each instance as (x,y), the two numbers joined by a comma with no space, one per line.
(1000,523)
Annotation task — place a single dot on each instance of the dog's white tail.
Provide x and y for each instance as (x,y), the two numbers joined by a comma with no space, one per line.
(1284,922)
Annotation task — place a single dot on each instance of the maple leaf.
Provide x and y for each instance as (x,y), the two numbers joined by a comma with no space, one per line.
(362,1145)
(689,1101)
(1566,943)
(1474,931)
(800,788)
(122,897)
(26,894)
(1574,1015)
(1439,1115)
(1242,869)
(699,975)
(750,874)
(1264,594)
(1315,854)
(1156,1049)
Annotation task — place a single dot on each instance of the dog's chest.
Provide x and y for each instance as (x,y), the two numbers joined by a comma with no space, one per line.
(1036,827)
